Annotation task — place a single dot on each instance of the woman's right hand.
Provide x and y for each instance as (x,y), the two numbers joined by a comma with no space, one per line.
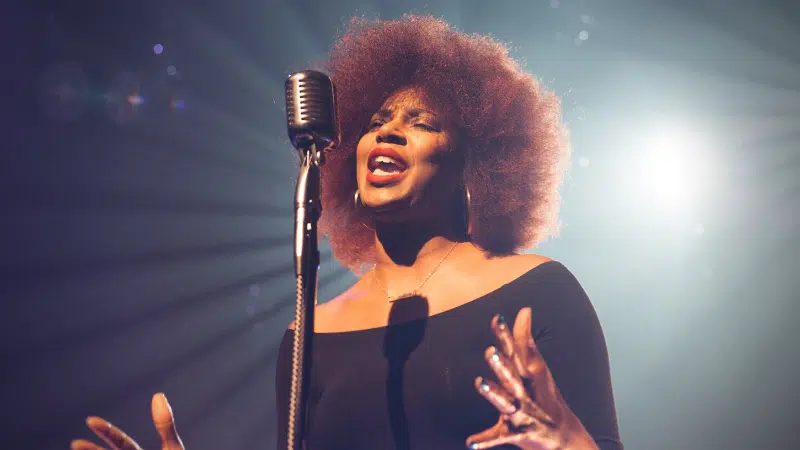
(116,439)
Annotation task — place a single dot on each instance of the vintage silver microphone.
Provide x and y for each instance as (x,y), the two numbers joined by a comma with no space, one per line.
(313,129)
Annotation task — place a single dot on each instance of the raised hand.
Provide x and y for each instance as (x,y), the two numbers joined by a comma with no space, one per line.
(533,415)
(116,439)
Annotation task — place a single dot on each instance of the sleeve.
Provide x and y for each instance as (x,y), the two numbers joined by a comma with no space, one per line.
(283,367)
(570,338)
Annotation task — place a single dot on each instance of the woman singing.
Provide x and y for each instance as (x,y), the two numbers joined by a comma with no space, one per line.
(449,165)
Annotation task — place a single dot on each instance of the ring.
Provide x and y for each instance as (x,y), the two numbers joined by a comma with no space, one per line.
(516,404)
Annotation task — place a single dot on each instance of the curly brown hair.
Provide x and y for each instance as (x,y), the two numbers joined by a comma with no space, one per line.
(514,142)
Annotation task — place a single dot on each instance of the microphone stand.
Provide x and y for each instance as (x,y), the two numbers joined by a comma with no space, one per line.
(306,262)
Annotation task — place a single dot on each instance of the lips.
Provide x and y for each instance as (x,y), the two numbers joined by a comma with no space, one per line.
(385,165)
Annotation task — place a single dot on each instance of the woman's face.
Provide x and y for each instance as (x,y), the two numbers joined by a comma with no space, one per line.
(405,162)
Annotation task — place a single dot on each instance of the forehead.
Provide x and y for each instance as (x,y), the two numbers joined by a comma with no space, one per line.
(407,99)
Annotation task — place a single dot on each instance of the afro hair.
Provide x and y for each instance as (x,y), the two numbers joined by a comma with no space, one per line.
(514,142)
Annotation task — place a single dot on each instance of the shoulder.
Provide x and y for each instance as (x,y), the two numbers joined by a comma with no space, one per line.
(324,310)
(538,266)
(518,273)
(552,288)
(529,261)
(514,266)
(333,307)
(546,282)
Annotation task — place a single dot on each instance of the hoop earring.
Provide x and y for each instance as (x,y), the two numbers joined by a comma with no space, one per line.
(357,203)
(467,215)
(357,200)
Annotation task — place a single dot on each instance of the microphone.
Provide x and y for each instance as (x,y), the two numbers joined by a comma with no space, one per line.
(311,110)
(313,128)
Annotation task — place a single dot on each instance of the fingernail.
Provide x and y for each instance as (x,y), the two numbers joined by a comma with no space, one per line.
(501,322)
(166,402)
(484,385)
(473,446)
(495,354)
(95,422)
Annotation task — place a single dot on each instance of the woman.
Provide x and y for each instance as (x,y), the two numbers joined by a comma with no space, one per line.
(449,165)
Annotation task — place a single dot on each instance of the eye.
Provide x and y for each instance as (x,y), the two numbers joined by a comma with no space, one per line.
(425,126)
(375,124)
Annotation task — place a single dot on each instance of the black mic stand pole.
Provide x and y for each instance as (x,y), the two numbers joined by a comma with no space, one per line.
(306,263)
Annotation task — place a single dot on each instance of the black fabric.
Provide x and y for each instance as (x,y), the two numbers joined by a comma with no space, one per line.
(410,385)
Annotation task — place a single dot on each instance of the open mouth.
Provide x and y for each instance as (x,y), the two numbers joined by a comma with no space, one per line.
(385,165)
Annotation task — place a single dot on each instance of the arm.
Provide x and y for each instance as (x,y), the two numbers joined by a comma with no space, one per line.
(570,338)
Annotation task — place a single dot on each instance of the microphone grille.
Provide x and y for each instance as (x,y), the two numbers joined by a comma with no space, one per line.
(311,109)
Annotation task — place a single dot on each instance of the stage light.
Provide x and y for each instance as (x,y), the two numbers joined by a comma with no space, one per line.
(158,49)
(124,99)
(135,100)
(665,172)
(699,229)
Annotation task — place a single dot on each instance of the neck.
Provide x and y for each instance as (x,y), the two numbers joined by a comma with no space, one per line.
(402,246)
(407,257)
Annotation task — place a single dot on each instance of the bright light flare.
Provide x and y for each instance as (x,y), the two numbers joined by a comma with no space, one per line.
(665,171)
(673,170)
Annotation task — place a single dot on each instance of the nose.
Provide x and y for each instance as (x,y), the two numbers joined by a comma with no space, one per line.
(391,133)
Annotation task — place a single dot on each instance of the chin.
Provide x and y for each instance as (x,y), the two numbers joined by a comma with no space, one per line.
(387,202)
(388,205)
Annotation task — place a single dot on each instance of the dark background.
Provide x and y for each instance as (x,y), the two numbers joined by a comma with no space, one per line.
(146,207)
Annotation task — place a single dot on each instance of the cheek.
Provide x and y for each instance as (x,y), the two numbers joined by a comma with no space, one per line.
(434,155)
(362,150)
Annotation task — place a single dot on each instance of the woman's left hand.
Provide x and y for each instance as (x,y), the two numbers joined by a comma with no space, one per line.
(533,415)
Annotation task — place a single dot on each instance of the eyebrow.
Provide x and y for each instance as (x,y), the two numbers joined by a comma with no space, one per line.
(410,113)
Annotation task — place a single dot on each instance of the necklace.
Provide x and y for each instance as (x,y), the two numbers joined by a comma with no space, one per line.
(414,292)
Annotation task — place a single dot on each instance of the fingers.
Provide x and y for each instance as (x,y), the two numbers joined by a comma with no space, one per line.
(504,338)
(491,443)
(529,355)
(497,396)
(82,444)
(506,342)
(164,422)
(505,372)
(491,437)
(544,390)
(520,413)
(111,435)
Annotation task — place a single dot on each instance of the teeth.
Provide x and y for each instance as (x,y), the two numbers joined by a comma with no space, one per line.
(385,159)
(380,171)
(385,165)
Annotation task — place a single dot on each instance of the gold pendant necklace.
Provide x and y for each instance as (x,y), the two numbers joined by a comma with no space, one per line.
(414,292)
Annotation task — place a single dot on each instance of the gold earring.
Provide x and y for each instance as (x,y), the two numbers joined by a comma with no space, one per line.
(467,215)
(357,200)
(359,205)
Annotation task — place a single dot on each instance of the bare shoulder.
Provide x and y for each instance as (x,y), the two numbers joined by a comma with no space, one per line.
(516,265)
(530,260)
(326,309)
(498,271)
(331,308)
